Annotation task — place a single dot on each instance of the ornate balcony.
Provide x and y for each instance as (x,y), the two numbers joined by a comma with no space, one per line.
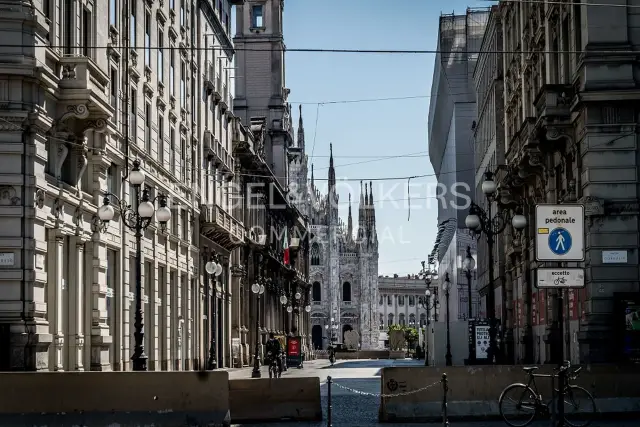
(221,157)
(83,83)
(221,227)
(554,101)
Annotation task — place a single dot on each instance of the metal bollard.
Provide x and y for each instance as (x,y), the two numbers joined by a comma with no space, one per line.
(445,390)
(562,381)
(329,381)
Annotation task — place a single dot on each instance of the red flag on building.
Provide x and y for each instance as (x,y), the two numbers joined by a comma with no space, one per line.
(285,246)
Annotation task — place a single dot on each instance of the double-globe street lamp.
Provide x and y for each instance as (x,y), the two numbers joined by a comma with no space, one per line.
(481,222)
(469,265)
(137,220)
(428,275)
(258,290)
(214,269)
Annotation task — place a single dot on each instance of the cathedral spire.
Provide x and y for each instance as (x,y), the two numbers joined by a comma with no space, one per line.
(350,222)
(313,186)
(332,172)
(372,218)
(361,212)
(300,131)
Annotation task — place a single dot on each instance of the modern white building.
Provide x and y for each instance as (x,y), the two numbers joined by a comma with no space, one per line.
(452,120)
(88,88)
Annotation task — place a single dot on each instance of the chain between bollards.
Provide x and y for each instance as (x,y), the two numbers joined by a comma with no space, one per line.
(329,381)
(445,390)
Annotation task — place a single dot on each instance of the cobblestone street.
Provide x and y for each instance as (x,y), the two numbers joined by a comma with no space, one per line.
(361,409)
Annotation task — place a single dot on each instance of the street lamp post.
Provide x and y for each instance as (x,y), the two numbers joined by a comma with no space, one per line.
(214,269)
(137,220)
(258,290)
(429,274)
(484,222)
(469,266)
(446,286)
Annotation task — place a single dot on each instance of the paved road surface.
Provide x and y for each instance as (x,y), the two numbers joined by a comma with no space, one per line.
(361,410)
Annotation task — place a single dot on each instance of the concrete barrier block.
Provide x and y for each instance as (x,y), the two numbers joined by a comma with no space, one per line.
(474,390)
(264,399)
(105,398)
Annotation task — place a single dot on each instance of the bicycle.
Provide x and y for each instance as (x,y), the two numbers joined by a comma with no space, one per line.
(560,281)
(529,399)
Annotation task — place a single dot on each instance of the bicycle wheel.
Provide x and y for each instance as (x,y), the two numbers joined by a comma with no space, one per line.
(579,407)
(518,405)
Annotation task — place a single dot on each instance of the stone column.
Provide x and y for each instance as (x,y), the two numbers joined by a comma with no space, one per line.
(56,258)
(77,305)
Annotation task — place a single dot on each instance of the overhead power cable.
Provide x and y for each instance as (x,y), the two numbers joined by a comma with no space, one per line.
(346,51)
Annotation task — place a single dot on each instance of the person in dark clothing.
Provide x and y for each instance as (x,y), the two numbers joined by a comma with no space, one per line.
(273,346)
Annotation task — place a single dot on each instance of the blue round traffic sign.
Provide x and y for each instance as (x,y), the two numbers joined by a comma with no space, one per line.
(560,241)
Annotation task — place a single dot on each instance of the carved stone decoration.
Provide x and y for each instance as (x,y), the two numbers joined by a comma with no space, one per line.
(80,111)
(97,225)
(82,166)
(8,196)
(69,72)
(39,198)
(78,220)
(63,151)
(57,211)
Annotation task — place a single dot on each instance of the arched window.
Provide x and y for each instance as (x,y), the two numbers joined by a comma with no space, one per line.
(346,291)
(412,301)
(381,321)
(317,291)
(423,319)
(315,254)
(390,320)
(412,319)
(401,318)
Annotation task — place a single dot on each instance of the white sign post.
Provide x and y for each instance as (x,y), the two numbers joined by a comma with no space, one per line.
(556,278)
(560,233)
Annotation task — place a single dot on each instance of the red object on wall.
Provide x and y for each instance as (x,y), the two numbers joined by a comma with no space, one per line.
(573,304)
(534,308)
(520,313)
(293,347)
(542,307)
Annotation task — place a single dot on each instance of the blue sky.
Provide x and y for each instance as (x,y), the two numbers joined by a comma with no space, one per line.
(360,131)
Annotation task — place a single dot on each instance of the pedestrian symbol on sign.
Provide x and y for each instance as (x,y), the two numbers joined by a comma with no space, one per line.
(560,241)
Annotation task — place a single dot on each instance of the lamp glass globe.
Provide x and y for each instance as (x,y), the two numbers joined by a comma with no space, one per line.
(145,210)
(136,177)
(489,186)
(298,295)
(469,263)
(261,289)
(307,308)
(519,221)
(255,288)
(218,270)
(472,221)
(427,293)
(289,309)
(210,267)
(106,212)
(163,214)
(283,299)
(326,326)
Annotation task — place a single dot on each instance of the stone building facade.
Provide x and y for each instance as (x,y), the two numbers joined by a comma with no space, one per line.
(571,136)
(488,80)
(271,204)
(108,83)
(401,301)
